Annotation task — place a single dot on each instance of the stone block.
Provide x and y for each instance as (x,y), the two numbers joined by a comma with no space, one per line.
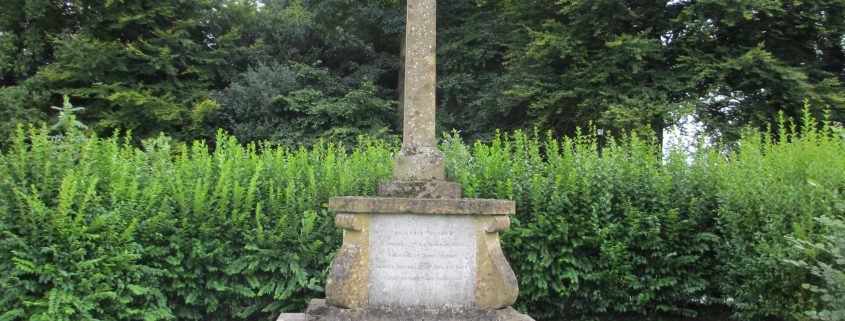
(389,205)
(348,279)
(291,317)
(422,261)
(420,189)
(318,310)
(421,253)
(496,284)
(419,164)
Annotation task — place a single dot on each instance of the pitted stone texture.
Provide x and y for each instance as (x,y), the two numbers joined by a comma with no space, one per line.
(420,189)
(319,311)
(424,261)
(389,205)
(420,74)
(291,317)
(419,163)
(348,279)
(496,285)
(420,160)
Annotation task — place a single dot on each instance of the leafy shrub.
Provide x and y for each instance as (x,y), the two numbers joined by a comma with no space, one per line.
(772,191)
(832,290)
(617,234)
(100,230)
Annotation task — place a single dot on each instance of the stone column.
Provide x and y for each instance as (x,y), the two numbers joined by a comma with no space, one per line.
(420,160)
(419,251)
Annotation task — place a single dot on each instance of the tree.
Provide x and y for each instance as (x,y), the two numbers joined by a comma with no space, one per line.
(625,64)
(325,69)
(472,75)
(750,59)
(560,65)
(162,66)
(138,65)
(297,104)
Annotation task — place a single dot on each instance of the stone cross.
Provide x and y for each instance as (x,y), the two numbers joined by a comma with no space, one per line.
(419,251)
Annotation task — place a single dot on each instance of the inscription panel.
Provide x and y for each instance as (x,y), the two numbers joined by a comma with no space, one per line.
(422,260)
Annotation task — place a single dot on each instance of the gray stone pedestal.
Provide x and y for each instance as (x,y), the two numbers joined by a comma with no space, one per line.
(408,252)
(419,251)
(319,311)
(419,259)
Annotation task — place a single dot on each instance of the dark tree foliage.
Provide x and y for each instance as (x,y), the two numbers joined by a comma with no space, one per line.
(146,66)
(629,64)
(750,59)
(298,104)
(179,66)
(473,44)
(322,71)
(159,66)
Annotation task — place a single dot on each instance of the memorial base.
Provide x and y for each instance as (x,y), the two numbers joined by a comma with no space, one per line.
(319,311)
(421,259)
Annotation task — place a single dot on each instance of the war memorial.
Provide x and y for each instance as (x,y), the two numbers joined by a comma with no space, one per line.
(419,251)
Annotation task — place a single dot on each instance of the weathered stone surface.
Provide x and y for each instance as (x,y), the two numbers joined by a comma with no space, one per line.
(387,205)
(319,311)
(422,261)
(348,279)
(420,189)
(420,74)
(420,159)
(419,252)
(496,285)
(419,163)
(291,317)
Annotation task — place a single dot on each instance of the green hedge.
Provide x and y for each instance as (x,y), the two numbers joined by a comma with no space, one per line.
(99,230)
(95,229)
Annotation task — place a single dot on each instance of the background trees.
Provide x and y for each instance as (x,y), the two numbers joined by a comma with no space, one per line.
(295,70)
(628,64)
(146,66)
(323,69)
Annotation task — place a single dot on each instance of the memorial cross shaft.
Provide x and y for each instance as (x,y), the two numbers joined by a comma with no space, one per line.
(420,160)
(419,251)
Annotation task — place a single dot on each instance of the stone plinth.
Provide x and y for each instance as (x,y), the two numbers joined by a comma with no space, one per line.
(419,259)
(320,311)
(391,205)
(413,258)
(291,317)
(419,189)
(419,252)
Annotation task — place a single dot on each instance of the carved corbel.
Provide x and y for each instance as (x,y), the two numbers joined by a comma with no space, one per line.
(346,286)
(496,285)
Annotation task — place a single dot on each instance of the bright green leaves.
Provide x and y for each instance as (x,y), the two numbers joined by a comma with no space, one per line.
(831,306)
(637,232)
(99,229)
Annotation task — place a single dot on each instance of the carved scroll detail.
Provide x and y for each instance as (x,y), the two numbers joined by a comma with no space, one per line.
(496,286)
(498,224)
(349,222)
(346,286)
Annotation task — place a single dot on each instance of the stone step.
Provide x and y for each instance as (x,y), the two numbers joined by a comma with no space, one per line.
(291,317)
